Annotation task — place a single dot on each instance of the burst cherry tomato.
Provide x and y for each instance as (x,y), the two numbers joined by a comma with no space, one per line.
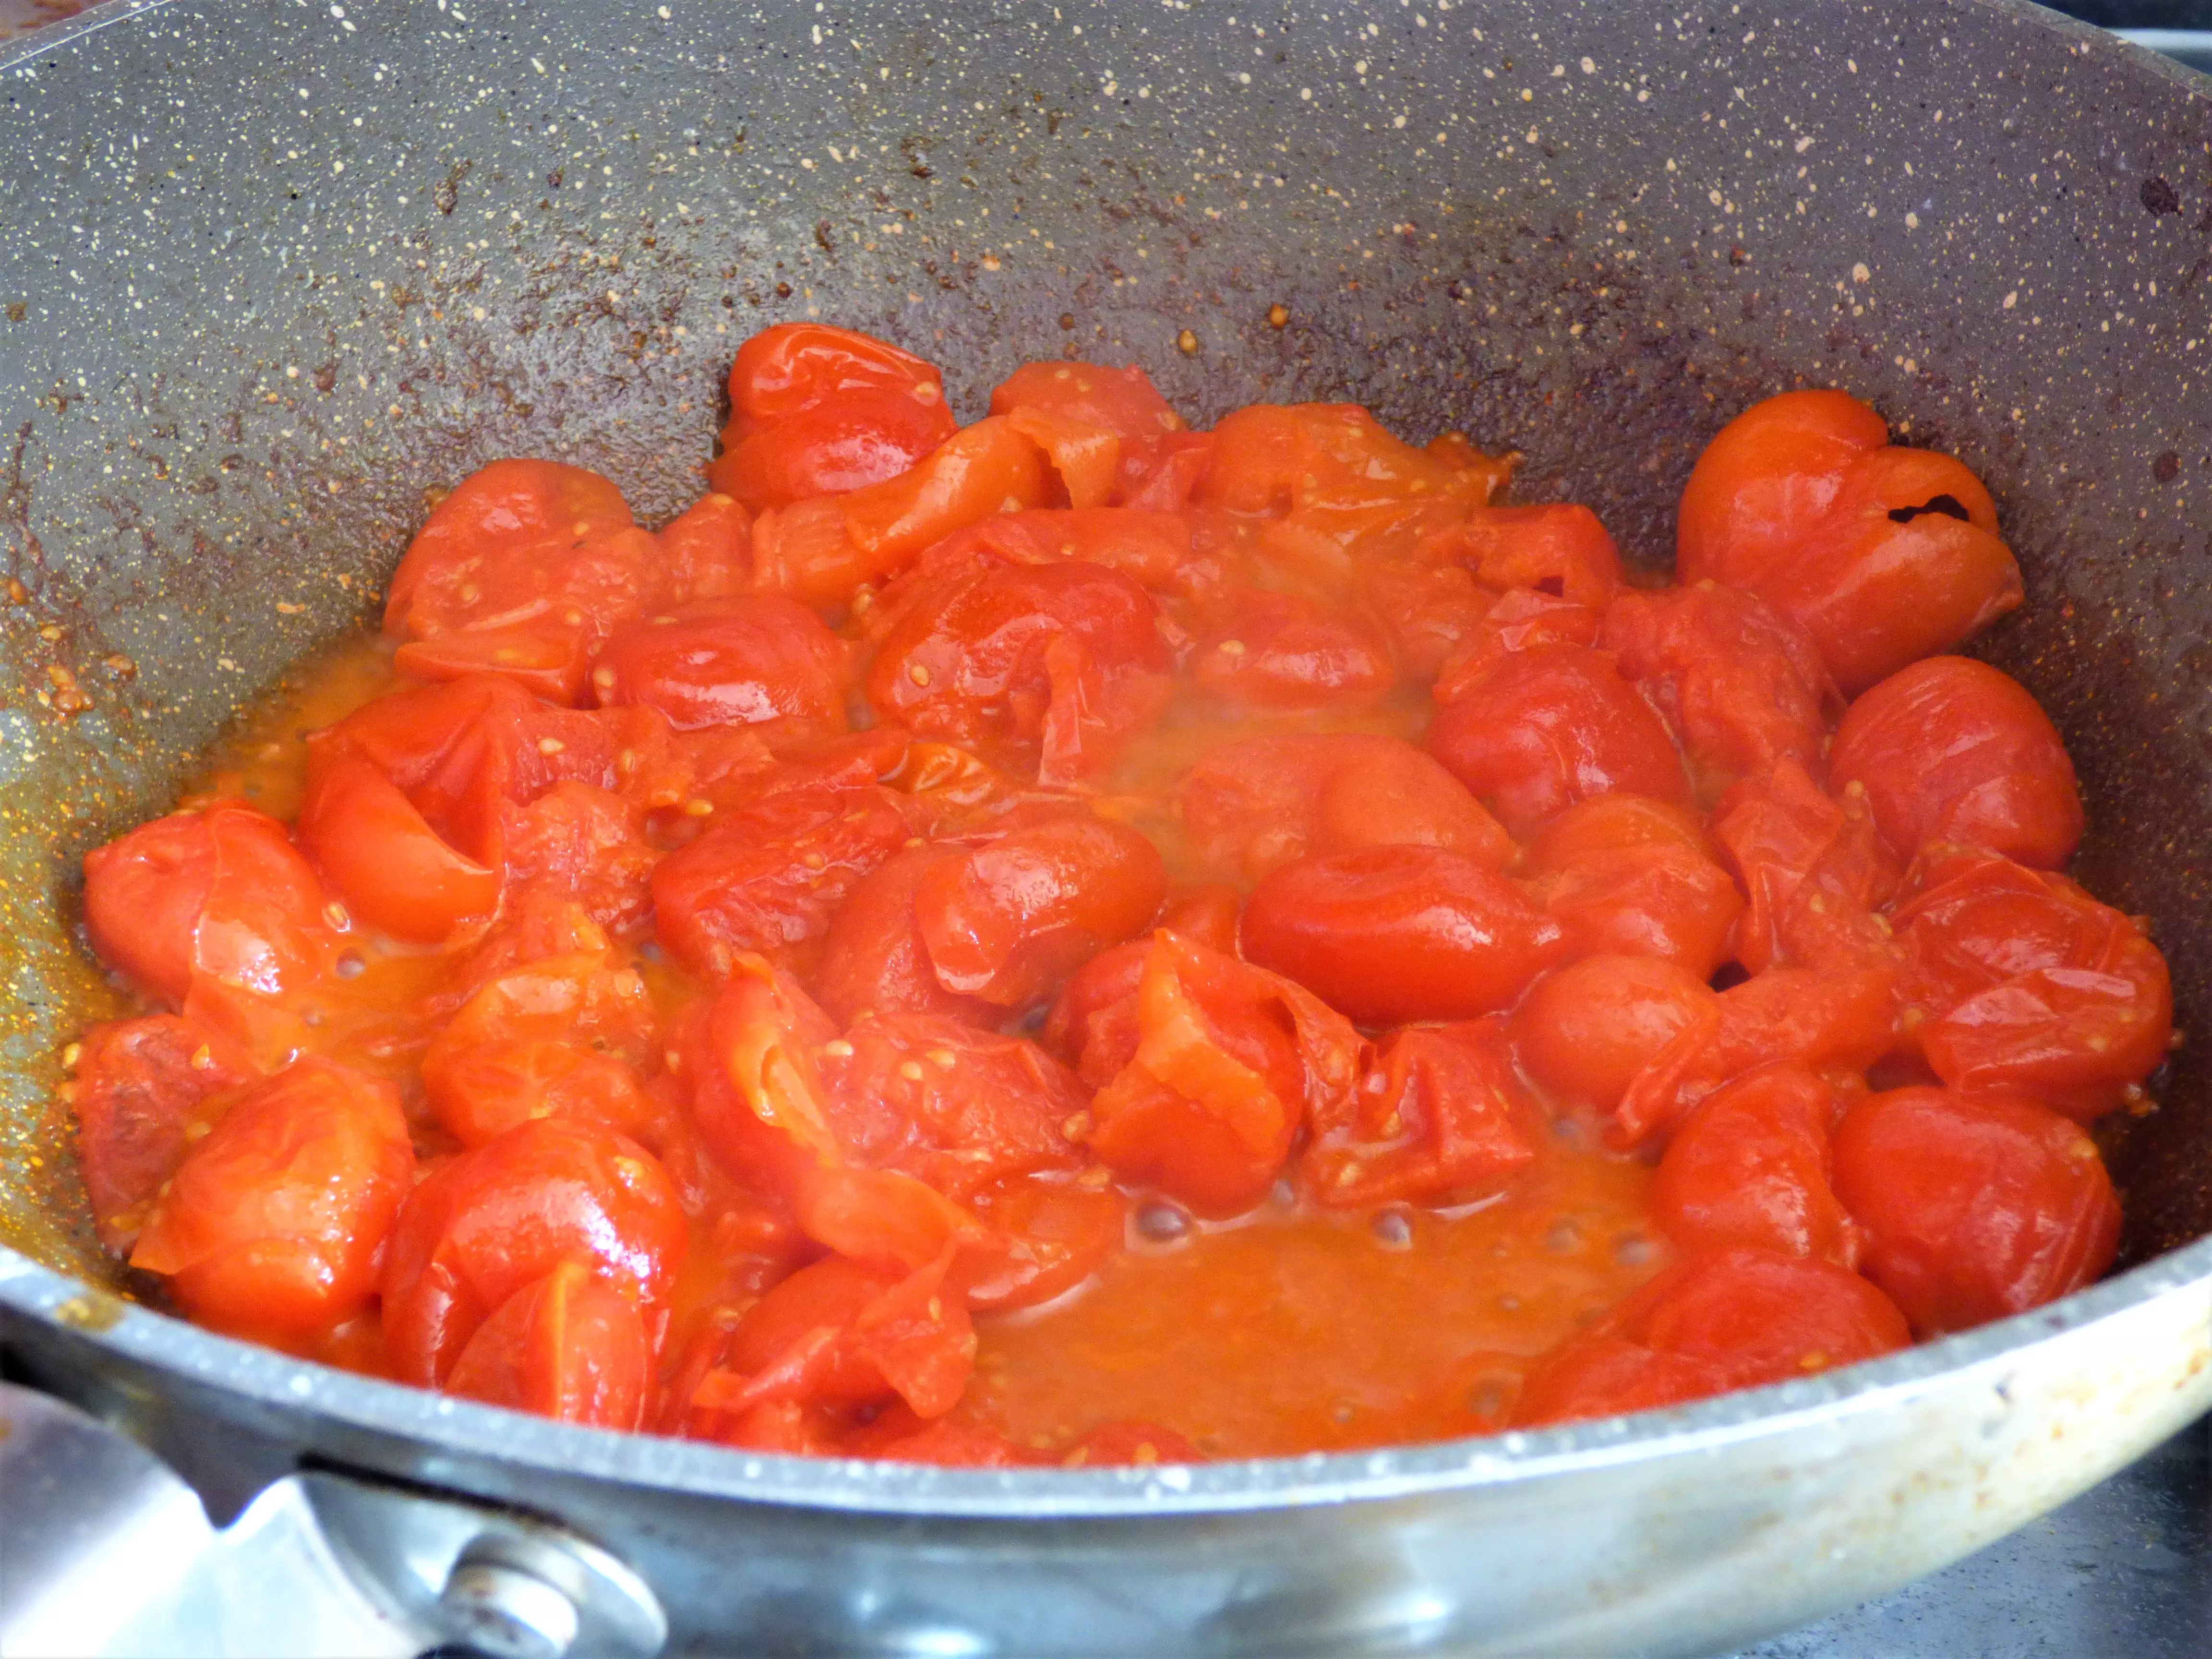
(142,1087)
(274,1222)
(1953,750)
(1276,651)
(1625,874)
(1551,725)
(1973,1209)
(730,662)
(495,1219)
(1814,869)
(1440,1115)
(1560,550)
(874,958)
(570,1345)
(1586,1029)
(1392,934)
(1752,1166)
(1102,427)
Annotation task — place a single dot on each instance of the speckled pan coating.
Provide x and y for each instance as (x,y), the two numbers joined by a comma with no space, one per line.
(269,271)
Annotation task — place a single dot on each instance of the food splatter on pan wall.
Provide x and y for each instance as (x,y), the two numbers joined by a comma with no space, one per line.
(248,317)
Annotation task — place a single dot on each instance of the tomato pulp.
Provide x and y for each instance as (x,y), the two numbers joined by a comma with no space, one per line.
(1072,940)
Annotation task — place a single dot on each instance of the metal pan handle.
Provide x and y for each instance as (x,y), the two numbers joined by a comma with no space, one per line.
(109,1555)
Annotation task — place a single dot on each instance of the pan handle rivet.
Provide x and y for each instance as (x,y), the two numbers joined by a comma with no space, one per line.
(504,1613)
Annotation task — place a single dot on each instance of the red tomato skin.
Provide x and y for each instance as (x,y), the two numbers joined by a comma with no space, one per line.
(1393,933)
(1743,685)
(141,1086)
(751,1058)
(1276,651)
(848,441)
(214,902)
(730,662)
(1119,402)
(509,507)
(1626,875)
(498,1218)
(1814,869)
(394,871)
(2031,985)
(874,958)
(568,1346)
(273,1221)
(1283,458)
(770,879)
(1012,919)
(1560,550)
(792,367)
(1004,658)
(1549,726)
(1775,468)
(1973,1209)
(1050,1234)
(708,550)
(1585,1030)
(1951,749)
(1253,804)
(1752,1166)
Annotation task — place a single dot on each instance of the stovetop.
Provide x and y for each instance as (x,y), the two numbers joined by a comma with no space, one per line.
(2123,1571)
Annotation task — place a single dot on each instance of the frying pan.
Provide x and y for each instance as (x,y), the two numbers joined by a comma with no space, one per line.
(270,271)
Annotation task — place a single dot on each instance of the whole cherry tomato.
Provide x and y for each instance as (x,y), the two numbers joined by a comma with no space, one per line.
(1728,1319)
(1743,685)
(1883,554)
(1049,667)
(570,1345)
(1011,919)
(1551,725)
(1391,934)
(213,911)
(729,662)
(273,1221)
(142,1088)
(770,879)
(1586,1029)
(1973,1208)
(1277,651)
(497,1218)
(2029,984)
(1441,1115)
(1751,1165)
(1953,749)
(1251,805)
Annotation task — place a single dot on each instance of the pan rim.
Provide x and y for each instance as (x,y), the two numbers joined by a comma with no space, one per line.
(465,1430)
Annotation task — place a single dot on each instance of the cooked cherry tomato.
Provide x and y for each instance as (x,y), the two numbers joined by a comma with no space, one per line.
(751,1058)
(1276,651)
(874,958)
(708,550)
(569,1346)
(899,1434)
(848,441)
(1883,554)
(1586,1029)
(1049,1234)
(1103,428)
(495,1219)
(770,877)
(1011,919)
(2029,984)
(792,367)
(1833,1021)
(1051,668)
(1224,1063)
(143,1088)
(213,911)
(957,1108)
(1730,1319)
(1431,610)
(273,1221)
(1751,1165)
(838,1332)
(1953,750)
(377,850)
(1814,869)
(1391,934)
(1973,1208)
(588,845)
(1153,550)
(1561,551)
(1743,685)
(1251,805)
(1551,725)
(1440,1115)
(1628,875)
(730,662)
(1281,459)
